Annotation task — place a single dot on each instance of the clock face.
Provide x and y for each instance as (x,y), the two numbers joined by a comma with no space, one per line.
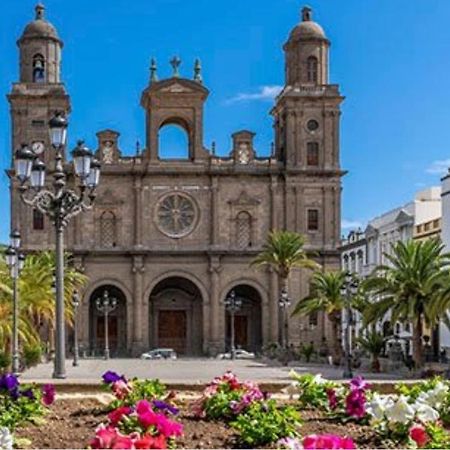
(312,125)
(38,147)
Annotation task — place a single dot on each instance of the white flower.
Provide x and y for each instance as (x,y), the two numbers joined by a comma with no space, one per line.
(400,411)
(6,439)
(318,379)
(425,413)
(436,396)
(378,405)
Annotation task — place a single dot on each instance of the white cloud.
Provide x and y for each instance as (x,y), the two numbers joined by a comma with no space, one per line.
(351,224)
(439,167)
(264,93)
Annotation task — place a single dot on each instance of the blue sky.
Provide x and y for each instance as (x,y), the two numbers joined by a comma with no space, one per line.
(391,58)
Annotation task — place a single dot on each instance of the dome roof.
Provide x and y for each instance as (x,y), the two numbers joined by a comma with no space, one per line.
(307,29)
(40,28)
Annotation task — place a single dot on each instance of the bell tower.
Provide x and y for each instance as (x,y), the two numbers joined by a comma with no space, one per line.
(39,91)
(307,111)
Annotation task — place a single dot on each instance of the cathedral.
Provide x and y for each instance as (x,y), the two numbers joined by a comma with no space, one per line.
(169,239)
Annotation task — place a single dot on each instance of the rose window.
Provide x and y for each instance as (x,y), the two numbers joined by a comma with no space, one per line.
(176,215)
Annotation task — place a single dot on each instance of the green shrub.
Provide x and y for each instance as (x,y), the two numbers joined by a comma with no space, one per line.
(5,361)
(32,355)
(307,351)
(264,423)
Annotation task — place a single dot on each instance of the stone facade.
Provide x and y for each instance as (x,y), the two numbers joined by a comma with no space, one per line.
(171,238)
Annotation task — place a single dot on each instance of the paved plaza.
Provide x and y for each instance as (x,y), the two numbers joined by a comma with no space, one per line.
(189,371)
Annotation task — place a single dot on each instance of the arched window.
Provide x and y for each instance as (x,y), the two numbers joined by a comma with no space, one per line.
(312,66)
(173,141)
(244,230)
(38,68)
(108,229)
(312,154)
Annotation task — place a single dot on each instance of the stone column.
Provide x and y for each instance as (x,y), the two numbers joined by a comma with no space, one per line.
(139,321)
(217,337)
(138,211)
(214,218)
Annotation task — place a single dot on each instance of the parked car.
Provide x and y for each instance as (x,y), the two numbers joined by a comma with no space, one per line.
(238,354)
(160,353)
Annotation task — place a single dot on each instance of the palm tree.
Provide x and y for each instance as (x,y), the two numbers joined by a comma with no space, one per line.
(373,343)
(326,295)
(284,251)
(411,287)
(36,302)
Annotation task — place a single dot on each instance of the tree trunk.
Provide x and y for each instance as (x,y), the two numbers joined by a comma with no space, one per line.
(337,344)
(417,342)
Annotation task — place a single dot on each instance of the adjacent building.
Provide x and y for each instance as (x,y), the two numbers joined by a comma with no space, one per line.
(169,239)
(362,252)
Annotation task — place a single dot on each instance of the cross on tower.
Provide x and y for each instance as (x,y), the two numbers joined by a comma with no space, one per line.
(175,62)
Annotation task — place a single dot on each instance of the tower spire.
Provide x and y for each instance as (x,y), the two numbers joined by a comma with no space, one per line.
(39,9)
(153,70)
(198,71)
(306,14)
(175,62)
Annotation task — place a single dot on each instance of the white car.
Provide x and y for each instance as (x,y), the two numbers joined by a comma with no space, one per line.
(160,353)
(238,354)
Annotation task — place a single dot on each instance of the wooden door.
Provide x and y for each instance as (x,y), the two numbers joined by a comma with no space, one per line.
(112,334)
(172,330)
(241,333)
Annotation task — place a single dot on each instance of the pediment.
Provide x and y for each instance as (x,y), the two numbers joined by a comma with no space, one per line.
(178,86)
(404,218)
(370,231)
(245,199)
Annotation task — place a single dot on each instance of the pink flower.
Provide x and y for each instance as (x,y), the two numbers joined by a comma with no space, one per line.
(117,415)
(168,428)
(120,389)
(332,398)
(143,406)
(359,383)
(418,434)
(104,437)
(122,442)
(147,419)
(327,441)
(48,394)
(355,404)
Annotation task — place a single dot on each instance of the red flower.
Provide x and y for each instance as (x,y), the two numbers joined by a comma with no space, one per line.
(116,416)
(418,434)
(148,442)
(332,398)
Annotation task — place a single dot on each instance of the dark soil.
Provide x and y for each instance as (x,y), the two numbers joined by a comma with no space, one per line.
(72,424)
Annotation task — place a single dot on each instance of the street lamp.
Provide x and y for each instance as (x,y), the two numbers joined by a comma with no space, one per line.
(348,291)
(60,204)
(233,304)
(284,302)
(106,305)
(75,304)
(15,262)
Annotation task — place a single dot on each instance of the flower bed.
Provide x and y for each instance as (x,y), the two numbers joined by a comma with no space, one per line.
(235,414)
(21,404)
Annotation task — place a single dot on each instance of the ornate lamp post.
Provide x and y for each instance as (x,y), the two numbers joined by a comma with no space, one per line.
(233,304)
(284,302)
(15,262)
(60,204)
(348,290)
(106,305)
(75,304)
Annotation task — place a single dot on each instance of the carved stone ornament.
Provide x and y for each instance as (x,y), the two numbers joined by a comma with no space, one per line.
(176,215)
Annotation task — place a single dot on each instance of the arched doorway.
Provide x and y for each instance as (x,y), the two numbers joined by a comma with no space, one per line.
(247,321)
(117,323)
(176,318)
